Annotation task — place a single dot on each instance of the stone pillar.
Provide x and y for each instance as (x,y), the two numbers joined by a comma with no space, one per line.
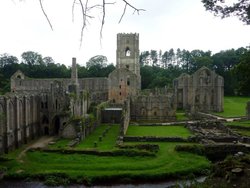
(17,127)
(26,120)
(74,75)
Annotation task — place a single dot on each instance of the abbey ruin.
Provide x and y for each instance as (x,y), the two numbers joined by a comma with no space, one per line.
(36,107)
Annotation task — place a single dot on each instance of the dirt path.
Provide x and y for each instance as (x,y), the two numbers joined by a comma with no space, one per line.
(40,143)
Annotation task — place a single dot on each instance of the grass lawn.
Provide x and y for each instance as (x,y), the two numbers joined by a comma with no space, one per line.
(234,106)
(107,143)
(180,116)
(239,123)
(243,132)
(168,163)
(61,143)
(167,131)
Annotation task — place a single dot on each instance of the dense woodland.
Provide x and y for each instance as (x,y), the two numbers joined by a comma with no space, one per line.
(158,68)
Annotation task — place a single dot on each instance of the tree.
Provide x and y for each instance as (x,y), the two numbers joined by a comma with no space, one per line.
(224,9)
(144,58)
(154,57)
(242,71)
(98,60)
(32,58)
(47,60)
(6,59)
(87,8)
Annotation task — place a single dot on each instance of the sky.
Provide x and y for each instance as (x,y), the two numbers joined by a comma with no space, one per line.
(164,25)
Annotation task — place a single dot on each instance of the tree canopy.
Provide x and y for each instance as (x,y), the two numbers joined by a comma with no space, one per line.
(225,8)
(158,68)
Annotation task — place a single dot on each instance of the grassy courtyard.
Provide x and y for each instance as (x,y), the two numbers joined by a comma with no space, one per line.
(234,106)
(164,131)
(82,168)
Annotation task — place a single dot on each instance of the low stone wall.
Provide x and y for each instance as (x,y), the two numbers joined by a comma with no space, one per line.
(214,152)
(219,152)
(153,139)
(119,152)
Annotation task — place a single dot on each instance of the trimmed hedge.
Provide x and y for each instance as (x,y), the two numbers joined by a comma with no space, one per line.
(196,149)
(153,139)
(121,152)
(147,147)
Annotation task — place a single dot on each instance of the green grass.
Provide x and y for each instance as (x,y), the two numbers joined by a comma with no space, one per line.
(167,131)
(167,163)
(243,132)
(180,116)
(61,143)
(234,106)
(239,123)
(107,143)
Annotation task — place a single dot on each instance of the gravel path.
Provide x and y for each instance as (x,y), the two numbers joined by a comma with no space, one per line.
(40,143)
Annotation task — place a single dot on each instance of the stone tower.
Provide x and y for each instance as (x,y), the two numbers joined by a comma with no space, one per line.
(74,75)
(127,53)
(74,85)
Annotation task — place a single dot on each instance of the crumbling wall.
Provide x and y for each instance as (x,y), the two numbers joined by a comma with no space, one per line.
(153,107)
(202,91)
(19,120)
(122,84)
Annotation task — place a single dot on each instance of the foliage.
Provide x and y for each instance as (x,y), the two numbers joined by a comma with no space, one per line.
(98,60)
(240,9)
(164,131)
(158,68)
(242,71)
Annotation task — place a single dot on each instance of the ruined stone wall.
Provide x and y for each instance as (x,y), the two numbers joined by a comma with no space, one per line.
(202,91)
(155,107)
(125,117)
(122,84)
(97,88)
(19,120)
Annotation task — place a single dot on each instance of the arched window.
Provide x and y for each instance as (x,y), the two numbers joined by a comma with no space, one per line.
(127,52)
(128,81)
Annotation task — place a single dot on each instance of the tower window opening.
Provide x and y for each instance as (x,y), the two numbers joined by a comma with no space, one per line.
(127,52)
(128,81)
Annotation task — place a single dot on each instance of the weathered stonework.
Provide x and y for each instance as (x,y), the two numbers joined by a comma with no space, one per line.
(202,91)
(36,107)
(153,107)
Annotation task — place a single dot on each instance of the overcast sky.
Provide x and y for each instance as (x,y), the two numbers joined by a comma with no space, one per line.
(165,24)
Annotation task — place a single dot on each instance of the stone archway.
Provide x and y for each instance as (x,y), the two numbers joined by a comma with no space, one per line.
(56,124)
